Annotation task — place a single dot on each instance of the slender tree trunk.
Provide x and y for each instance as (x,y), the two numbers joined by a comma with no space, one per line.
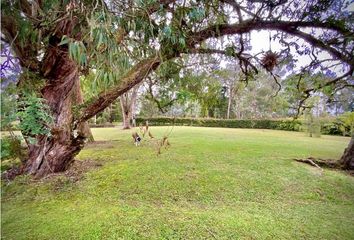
(127,103)
(62,92)
(126,113)
(111,113)
(347,159)
(231,91)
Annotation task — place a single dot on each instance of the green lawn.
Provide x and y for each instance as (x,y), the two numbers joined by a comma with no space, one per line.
(212,183)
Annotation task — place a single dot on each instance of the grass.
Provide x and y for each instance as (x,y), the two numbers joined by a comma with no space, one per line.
(212,183)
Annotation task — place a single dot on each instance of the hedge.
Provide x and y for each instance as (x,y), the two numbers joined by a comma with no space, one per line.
(328,127)
(103,125)
(289,125)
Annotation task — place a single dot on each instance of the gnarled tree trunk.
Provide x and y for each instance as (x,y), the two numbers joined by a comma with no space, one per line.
(347,159)
(62,92)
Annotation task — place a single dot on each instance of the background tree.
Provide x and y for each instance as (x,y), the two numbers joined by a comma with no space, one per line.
(341,101)
(127,103)
(231,80)
(257,99)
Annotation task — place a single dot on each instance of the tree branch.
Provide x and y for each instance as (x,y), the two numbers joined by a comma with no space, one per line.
(289,27)
(153,98)
(320,44)
(121,33)
(244,61)
(132,78)
(237,8)
(26,53)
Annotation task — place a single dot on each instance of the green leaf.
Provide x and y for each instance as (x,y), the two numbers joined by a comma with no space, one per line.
(167,31)
(83,60)
(230,51)
(64,40)
(100,40)
(182,41)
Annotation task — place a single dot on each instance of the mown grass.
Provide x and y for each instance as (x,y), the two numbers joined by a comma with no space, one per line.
(212,183)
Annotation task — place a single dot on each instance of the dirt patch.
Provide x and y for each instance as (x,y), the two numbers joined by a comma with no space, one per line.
(80,167)
(60,180)
(66,180)
(77,170)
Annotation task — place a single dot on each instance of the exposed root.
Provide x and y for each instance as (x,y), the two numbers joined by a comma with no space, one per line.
(309,161)
(320,163)
(11,173)
(325,163)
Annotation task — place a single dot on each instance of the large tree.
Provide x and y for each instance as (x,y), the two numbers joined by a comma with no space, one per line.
(57,41)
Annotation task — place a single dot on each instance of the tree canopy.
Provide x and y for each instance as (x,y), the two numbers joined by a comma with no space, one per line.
(125,40)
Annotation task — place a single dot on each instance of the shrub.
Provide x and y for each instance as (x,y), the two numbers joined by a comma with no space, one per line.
(103,118)
(332,128)
(35,117)
(347,123)
(11,148)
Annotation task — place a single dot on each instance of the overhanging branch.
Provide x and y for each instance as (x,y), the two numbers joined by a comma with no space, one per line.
(132,78)
(290,27)
(245,62)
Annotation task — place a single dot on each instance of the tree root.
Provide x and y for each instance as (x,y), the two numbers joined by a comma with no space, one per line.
(309,161)
(12,173)
(324,163)
(321,163)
